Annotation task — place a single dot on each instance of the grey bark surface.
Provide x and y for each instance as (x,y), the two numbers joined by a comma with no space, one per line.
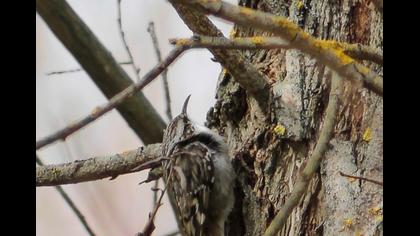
(267,163)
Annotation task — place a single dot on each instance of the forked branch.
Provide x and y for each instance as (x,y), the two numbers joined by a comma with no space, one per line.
(332,57)
(114,101)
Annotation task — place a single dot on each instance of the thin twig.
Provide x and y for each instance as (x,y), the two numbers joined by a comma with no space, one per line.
(150,226)
(151,30)
(154,174)
(71,204)
(59,72)
(127,49)
(77,70)
(150,164)
(336,59)
(75,209)
(114,101)
(155,196)
(356,51)
(308,170)
(96,168)
(362,178)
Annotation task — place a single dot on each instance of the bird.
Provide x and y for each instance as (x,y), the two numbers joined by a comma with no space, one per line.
(199,176)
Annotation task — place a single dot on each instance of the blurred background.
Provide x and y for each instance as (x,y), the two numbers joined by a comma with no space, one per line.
(120,206)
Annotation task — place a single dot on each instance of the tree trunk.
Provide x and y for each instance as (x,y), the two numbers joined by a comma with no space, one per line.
(267,162)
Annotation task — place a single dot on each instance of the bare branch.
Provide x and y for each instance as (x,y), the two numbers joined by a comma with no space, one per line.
(356,51)
(362,178)
(114,101)
(77,70)
(336,59)
(150,226)
(308,170)
(96,168)
(241,70)
(100,65)
(127,49)
(71,204)
(151,30)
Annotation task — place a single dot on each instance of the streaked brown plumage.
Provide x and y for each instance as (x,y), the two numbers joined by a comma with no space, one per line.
(199,176)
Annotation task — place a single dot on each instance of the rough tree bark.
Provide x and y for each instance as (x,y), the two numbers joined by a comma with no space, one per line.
(267,163)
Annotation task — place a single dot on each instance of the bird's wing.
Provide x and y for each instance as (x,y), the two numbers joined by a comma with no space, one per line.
(191,182)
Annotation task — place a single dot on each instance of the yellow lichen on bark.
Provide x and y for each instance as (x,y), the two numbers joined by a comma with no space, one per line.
(347,223)
(289,27)
(363,70)
(300,5)
(232,33)
(322,46)
(246,11)
(367,135)
(345,60)
(375,211)
(280,129)
(182,42)
(334,44)
(258,40)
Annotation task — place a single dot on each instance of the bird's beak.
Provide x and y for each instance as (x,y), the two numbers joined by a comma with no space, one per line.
(184,107)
